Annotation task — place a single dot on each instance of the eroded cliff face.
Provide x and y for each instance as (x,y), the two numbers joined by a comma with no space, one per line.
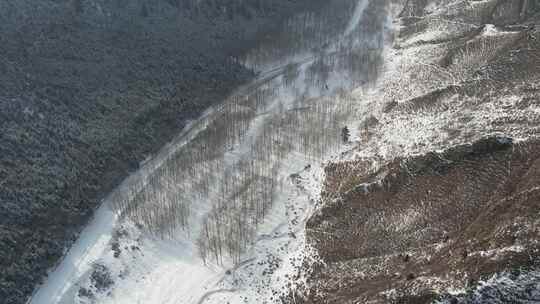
(437,198)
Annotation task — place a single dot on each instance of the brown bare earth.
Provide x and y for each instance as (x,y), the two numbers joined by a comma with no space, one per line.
(428,223)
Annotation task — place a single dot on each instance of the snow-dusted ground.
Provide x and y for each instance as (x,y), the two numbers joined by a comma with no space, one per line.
(412,71)
(517,287)
(152,270)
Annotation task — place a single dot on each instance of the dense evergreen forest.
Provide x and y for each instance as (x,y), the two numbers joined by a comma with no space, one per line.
(88,90)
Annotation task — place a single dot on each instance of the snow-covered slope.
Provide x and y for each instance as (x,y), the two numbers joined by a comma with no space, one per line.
(169,233)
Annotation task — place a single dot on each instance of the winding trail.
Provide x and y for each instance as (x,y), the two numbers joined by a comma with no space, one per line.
(214,292)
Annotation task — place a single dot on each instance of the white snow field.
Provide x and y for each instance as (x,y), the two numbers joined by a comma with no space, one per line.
(218,215)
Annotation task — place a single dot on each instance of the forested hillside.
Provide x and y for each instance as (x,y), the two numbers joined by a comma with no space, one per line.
(88,90)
